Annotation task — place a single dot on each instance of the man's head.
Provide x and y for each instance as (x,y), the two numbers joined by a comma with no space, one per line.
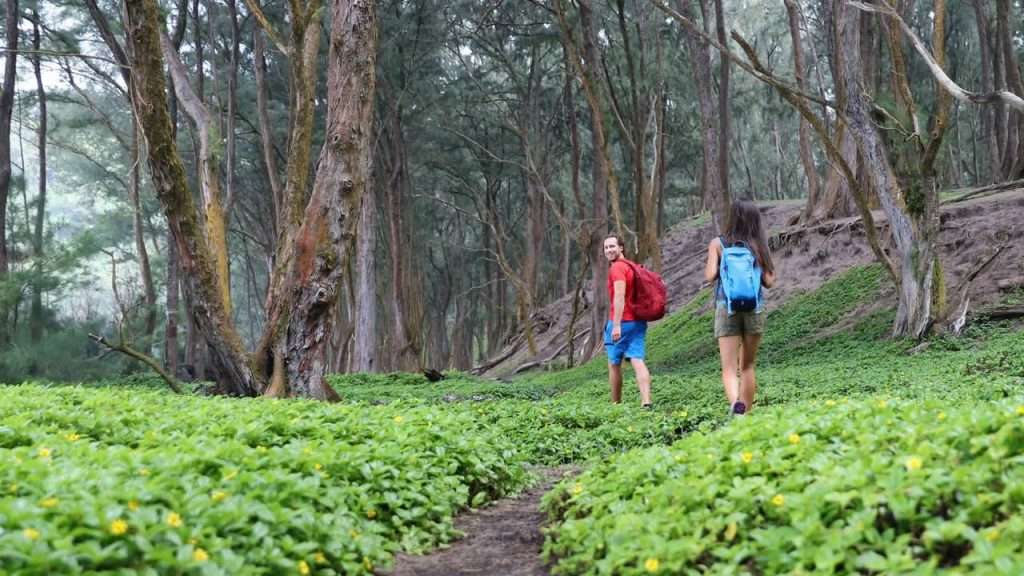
(613,247)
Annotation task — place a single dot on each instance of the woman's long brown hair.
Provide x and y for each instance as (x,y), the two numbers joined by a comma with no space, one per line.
(745,226)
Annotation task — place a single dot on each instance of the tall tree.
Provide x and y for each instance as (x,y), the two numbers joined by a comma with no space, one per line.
(6,109)
(36,313)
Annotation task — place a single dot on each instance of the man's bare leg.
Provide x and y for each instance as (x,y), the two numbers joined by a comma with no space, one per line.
(643,380)
(615,381)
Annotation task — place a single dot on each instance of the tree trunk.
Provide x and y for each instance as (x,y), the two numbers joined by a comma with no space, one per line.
(171,322)
(209,169)
(145,270)
(36,313)
(724,110)
(1011,161)
(266,132)
(364,354)
(6,109)
(235,373)
(714,193)
(806,156)
(915,230)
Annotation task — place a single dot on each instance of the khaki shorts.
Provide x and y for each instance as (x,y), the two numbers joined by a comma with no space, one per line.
(738,324)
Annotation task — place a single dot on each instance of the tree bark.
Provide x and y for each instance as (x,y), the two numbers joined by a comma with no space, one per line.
(724,110)
(6,110)
(364,353)
(915,229)
(266,132)
(36,312)
(209,169)
(145,270)
(235,372)
(332,213)
(806,156)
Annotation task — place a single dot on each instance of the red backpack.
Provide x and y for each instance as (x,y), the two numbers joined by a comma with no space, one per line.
(649,294)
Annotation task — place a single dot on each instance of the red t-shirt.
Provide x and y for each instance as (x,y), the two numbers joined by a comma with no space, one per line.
(620,271)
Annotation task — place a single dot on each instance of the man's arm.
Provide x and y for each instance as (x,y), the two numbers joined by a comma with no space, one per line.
(618,303)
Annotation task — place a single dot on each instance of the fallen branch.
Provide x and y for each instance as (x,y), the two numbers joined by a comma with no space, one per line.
(556,354)
(1005,313)
(132,353)
(986,191)
(958,323)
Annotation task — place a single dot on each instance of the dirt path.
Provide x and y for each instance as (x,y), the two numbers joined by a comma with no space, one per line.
(504,538)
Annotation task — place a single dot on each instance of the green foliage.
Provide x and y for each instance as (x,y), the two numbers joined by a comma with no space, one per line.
(832,487)
(118,480)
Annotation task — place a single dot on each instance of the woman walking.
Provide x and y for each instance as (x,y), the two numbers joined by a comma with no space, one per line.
(740,259)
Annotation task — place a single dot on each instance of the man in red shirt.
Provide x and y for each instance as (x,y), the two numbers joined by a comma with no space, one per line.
(624,336)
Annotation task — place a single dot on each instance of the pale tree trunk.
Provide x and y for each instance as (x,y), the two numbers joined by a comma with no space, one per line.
(209,169)
(364,353)
(724,111)
(6,110)
(266,132)
(36,311)
(806,156)
(230,152)
(914,230)
(605,185)
(1012,162)
(236,373)
(141,252)
(171,321)
(713,184)
(987,113)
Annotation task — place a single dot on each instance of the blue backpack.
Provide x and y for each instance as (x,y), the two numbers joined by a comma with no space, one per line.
(739,278)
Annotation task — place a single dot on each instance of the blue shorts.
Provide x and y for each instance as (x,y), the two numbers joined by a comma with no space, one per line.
(630,345)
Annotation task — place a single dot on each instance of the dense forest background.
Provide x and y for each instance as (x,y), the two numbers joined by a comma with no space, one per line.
(485,148)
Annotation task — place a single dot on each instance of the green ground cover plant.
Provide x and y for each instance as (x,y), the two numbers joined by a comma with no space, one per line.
(147,482)
(837,486)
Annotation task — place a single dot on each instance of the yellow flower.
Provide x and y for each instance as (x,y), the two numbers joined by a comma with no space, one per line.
(1020,410)
(13,488)
(118,527)
(50,502)
(307,450)
(941,416)
(914,463)
(218,495)
(193,541)
(747,457)
(652,565)
(830,402)
(200,555)
(367,564)
(133,505)
(577,489)
(44,452)
(318,466)
(173,520)
(354,534)
(303,567)
(231,475)
(261,448)
(319,558)
(730,531)
(630,429)
(882,403)
(682,414)
(71,436)
(992,535)
(779,500)
(371,513)
(399,419)
(794,438)
(143,471)
(31,533)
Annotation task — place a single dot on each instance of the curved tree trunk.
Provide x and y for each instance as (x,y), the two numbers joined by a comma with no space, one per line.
(149,99)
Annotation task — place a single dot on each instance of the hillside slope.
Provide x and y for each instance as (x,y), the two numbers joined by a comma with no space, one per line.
(973,226)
